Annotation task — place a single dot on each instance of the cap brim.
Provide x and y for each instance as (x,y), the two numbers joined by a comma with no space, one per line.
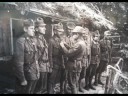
(70,28)
(60,30)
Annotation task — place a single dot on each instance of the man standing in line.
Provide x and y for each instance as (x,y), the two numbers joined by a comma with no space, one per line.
(26,66)
(56,59)
(95,59)
(105,47)
(43,61)
(84,61)
(75,56)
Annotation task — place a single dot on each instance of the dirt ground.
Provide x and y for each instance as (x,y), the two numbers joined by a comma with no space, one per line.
(99,88)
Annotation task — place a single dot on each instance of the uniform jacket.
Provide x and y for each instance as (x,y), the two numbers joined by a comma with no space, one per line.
(26,64)
(85,58)
(42,47)
(105,47)
(95,53)
(75,55)
(55,53)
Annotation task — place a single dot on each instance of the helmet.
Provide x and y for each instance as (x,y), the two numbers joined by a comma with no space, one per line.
(78,29)
(70,25)
(39,22)
(28,22)
(58,27)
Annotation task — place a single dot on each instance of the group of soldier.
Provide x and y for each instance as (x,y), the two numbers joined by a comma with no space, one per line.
(65,59)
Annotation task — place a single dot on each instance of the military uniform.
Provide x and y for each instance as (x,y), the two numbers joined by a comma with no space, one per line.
(74,63)
(43,61)
(105,47)
(44,65)
(26,64)
(56,61)
(95,59)
(84,61)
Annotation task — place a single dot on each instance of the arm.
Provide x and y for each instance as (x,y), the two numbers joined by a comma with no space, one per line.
(72,51)
(19,58)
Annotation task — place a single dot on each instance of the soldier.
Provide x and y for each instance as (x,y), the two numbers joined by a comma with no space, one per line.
(43,61)
(26,65)
(70,27)
(84,61)
(105,47)
(56,59)
(75,55)
(95,55)
(69,43)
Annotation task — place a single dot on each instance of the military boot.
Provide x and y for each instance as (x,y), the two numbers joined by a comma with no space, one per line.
(90,84)
(81,89)
(86,84)
(96,81)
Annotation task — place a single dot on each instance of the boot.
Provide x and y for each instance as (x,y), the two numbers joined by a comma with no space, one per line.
(99,80)
(81,89)
(50,88)
(90,84)
(86,87)
(96,81)
(91,87)
(86,83)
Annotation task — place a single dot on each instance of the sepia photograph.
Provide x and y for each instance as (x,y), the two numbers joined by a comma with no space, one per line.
(63,48)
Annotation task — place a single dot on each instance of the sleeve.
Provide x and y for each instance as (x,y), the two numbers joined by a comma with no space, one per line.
(50,48)
(19,58)
(72,51)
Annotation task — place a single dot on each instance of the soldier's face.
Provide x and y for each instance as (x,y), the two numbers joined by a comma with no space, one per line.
(42,29)
(96,38)
(30,31)
(75,36)
(85,35)
(60,33)
(70,32)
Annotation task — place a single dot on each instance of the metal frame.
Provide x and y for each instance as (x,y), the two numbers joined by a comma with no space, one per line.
(12,50)
(117,74)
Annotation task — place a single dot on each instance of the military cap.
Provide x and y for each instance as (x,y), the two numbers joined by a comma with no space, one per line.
(70,25)
(28,22)
(58,27)
(39,22)
(78,29)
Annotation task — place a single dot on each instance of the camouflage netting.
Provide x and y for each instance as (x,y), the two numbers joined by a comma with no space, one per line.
(81,12)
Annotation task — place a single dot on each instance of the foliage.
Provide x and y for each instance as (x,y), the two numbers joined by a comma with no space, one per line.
(79,11)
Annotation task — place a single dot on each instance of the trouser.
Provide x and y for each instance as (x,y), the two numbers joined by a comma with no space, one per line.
(41,85)
(72,81)
(101,68)
(90,72)
(57,75)
(28,89)
(19,88)
(82,75)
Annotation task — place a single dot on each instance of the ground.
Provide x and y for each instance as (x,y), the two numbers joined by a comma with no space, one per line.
(99,88)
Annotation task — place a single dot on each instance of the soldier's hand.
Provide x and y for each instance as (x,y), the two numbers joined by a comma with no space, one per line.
(61,44)
(24,83)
